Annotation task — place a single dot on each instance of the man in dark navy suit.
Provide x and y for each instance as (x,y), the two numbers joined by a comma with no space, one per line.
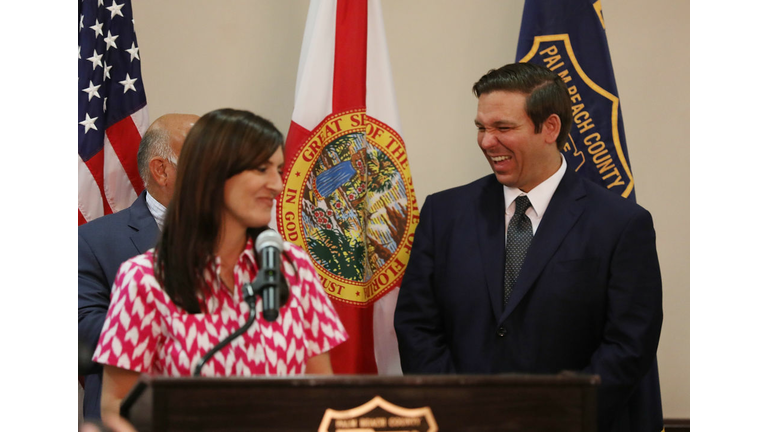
(534,269)
(105,243)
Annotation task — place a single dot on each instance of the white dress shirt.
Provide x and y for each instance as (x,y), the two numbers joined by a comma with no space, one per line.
(156,209)
(540,196)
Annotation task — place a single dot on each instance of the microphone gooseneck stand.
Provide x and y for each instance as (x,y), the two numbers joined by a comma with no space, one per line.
(249,295)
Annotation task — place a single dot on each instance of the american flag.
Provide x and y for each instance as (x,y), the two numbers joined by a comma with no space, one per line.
(112,108)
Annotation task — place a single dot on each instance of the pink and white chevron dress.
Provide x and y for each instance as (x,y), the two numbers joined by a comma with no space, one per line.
(146,332)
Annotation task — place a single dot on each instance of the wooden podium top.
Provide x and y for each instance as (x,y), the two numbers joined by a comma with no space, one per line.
(565,402)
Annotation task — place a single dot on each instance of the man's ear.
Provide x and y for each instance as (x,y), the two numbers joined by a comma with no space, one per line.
(157,167)
(551,128)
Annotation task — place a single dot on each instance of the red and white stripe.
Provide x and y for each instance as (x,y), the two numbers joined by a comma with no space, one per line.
(109,181)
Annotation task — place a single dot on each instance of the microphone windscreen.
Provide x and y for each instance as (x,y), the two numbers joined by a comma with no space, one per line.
(269,238)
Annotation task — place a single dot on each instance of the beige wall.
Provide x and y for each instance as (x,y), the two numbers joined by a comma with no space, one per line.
(199,55)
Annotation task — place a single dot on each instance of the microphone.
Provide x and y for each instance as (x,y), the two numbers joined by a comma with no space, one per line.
(269,246)
(270,283)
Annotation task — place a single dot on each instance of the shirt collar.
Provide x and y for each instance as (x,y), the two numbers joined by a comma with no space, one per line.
(247,257)
(156,209)
(541,195)
(246,260)
(249,254)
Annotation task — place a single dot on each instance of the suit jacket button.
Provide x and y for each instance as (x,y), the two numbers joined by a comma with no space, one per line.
(501,332)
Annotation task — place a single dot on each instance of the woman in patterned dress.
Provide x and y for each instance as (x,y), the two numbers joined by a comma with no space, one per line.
(169,306)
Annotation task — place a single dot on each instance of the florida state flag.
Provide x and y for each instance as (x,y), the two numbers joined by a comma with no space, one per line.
(348,197)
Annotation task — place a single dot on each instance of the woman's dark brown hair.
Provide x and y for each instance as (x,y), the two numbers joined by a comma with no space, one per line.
(221,144)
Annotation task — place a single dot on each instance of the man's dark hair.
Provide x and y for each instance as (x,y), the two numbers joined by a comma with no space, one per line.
(545,93)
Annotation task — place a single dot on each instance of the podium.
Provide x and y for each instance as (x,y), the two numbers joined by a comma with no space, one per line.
(356,403)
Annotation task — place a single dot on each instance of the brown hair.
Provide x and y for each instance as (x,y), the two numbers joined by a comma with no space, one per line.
(222,144)
(545,93)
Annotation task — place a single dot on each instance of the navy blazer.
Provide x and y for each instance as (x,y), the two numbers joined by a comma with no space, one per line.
(587,299)
(102,245)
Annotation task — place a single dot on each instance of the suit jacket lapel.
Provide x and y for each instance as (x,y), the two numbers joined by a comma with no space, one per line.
(563,211)
(489,227)
(144,224)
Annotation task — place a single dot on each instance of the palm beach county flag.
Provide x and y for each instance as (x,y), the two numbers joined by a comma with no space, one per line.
(568,37)
(112,108)
(348,198)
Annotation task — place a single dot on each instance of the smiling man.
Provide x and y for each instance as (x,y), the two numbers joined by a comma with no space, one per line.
(533,269)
